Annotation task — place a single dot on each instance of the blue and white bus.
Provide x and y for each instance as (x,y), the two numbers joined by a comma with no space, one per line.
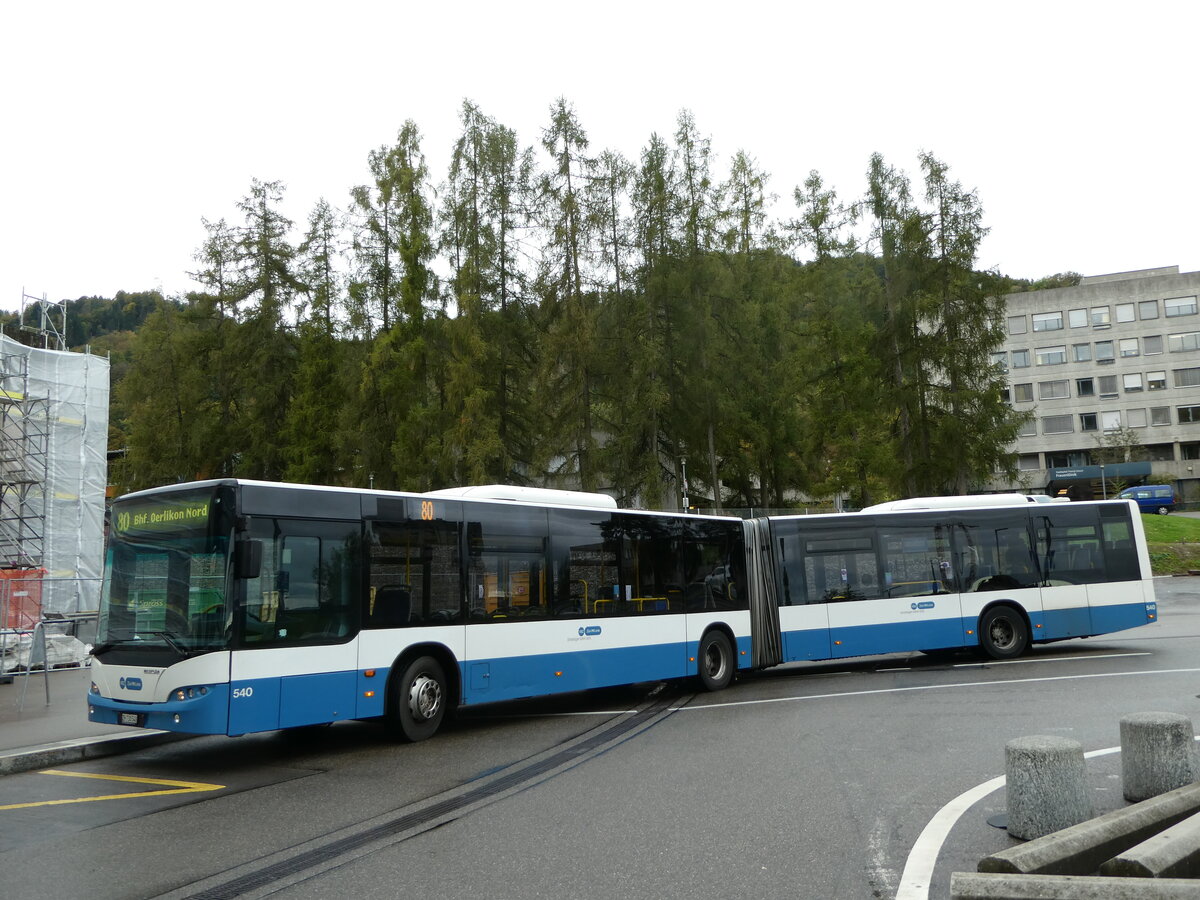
(237,606)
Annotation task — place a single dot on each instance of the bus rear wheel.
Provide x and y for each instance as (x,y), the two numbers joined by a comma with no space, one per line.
(715,661)
(1003,633)
(419,700)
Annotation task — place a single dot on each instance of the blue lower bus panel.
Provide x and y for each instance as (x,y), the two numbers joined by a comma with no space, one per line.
(205,713)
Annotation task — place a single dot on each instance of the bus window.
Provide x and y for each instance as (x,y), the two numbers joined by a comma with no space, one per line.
(585,557)
(1120,549)
(414,574)
(788,544)
(307,589)
(916,560)
(714,573)
(993,552)
(841,565)
(506,571)
(1068,540)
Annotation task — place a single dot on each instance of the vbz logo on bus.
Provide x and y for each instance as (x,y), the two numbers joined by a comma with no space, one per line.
(131,684)
(590,631)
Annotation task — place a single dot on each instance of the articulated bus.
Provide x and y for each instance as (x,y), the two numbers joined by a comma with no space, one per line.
(234,606)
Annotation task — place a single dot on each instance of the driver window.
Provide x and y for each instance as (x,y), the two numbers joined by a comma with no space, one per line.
(306,591)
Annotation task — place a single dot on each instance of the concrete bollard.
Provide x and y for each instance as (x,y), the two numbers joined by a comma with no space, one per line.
(1156,754)
(1047,785)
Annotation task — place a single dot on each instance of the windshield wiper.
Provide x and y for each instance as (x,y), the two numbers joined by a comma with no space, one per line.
(174,644)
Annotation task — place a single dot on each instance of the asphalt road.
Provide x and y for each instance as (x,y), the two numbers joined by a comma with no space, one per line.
(807,781)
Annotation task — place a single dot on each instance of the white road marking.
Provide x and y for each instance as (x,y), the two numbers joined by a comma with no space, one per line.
(1041,659)
(930,687)
(1020,662)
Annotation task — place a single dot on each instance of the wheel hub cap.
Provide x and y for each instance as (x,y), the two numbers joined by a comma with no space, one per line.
(424,698)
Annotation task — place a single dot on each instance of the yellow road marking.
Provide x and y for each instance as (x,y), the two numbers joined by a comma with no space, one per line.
(176,787)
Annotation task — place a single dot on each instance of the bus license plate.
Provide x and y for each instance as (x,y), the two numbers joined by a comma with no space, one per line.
(127,718)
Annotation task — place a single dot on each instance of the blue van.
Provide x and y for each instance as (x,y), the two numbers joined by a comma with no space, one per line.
(1151,498)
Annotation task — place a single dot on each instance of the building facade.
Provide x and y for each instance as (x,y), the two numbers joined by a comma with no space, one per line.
(1110,372)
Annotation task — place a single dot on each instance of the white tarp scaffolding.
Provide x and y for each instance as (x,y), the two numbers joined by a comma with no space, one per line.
(69,393)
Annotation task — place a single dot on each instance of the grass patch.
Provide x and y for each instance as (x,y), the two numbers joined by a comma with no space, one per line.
(1174,544)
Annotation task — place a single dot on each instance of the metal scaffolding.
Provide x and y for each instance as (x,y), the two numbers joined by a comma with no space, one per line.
(53,468)
(24,462)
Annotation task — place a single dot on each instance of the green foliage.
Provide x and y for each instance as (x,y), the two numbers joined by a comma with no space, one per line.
(1049,282)
(599,321)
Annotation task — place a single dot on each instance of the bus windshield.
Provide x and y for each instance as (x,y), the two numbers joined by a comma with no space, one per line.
(165,577)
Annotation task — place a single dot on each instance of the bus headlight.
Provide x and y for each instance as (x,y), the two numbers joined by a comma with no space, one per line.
(189,693)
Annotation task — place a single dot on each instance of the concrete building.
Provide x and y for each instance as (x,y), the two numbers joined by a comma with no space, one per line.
(1118,355)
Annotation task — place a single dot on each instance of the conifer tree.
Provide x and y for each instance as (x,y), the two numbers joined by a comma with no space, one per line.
(568,305)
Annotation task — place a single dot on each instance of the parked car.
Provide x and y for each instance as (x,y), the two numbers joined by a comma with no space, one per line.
(1151,498)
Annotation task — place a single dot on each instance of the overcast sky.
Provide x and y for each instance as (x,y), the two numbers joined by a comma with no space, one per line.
(126,122)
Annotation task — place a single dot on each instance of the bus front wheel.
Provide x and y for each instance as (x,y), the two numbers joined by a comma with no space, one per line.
(1003,633)
(419,700)
(715,661)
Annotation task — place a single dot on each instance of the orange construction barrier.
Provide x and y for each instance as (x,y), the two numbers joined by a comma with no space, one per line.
(21,597)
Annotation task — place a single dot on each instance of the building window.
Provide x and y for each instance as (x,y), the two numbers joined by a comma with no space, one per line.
(1179,306)
(1087,422)
(1128,347)
(1059,424)
(1160,452)
(1047,321)
(1148,309)
(1020,359)
(1051,356)
(1064,460)
(1023,393)
(1156,381)
(1160,415)
(1081,352)
(1108,387)
(1184,341)
(1131,382)
(1028,429)
(1186,377)
(1110,421)
(1125,312)
(1027,461)
(1189,451)
(1135,418)
(1053,390)
(1100,317)
(1077,318)
(1085,387)
(1104,351)
(1188,414)
(1000,358)
(1152,345)
(1016,325)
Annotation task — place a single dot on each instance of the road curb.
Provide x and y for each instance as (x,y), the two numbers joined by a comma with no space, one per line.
(61,753)
(1084,847)
(992,886)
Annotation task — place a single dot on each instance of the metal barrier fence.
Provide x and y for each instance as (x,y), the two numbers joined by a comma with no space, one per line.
(45,622)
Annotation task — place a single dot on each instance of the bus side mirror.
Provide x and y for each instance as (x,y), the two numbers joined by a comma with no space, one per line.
(247,558)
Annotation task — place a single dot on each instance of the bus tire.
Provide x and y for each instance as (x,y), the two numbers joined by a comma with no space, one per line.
(1003,633)
(419,701)
(714,660)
